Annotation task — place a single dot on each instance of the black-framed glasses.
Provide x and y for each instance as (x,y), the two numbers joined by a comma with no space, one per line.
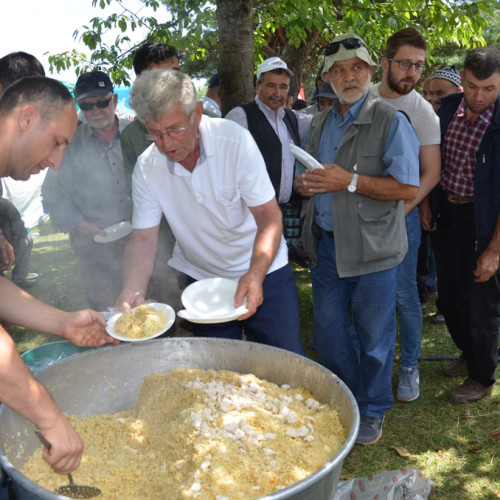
(88,106)
(348,43)
(406,65)
(172,132)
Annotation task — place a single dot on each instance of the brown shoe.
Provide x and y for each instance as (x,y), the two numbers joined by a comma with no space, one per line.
(456,369)
(470,391)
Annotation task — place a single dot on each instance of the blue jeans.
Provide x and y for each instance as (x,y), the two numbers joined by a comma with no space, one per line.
(276,322)
(407,298)
(355,328)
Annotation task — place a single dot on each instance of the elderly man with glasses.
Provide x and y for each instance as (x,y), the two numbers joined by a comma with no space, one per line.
(207,176)
(90,192)
(354,228)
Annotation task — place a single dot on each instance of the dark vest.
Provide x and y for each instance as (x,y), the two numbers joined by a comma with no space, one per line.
(267,140)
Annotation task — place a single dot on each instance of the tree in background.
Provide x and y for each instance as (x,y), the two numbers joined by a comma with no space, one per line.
(233,36)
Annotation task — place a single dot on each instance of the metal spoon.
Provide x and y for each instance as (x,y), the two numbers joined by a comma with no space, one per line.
(70,490)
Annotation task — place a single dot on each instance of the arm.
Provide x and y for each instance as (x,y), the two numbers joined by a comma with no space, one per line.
(267,241)
(138,262)
(82,328)
(21,392)
(335,178)
(430,168)
(488,261)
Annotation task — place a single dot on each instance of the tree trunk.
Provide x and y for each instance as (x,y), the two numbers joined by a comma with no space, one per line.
(235,66)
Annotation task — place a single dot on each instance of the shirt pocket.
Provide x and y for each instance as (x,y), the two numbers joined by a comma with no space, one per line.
(231,204)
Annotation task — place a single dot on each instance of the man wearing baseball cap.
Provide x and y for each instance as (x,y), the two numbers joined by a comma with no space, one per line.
(90,193)
(444,82)
(354,228)
(272,126)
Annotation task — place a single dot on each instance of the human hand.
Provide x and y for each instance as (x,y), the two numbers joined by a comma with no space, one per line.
(249,287)
(7,257)
(425,213)
(63,447)
(89,229)
(323,180)
(129,299)
(87,328)
(486,266)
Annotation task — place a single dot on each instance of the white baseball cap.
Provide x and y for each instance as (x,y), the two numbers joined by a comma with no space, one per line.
(273,63)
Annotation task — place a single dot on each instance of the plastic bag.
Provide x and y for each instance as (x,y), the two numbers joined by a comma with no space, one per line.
(401,484)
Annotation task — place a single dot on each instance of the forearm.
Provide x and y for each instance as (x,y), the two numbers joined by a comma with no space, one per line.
(138,261)
(20,391)
(20,308)
(385,188)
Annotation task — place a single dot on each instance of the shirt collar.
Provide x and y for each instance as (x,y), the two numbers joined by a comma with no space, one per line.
(268,111)
(486,116)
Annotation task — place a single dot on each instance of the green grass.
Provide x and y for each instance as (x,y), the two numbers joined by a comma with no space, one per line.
(451,444)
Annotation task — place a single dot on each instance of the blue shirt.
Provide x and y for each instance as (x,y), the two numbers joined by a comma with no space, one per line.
(401,138)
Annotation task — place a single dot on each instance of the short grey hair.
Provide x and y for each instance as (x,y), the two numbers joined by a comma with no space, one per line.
(157,91)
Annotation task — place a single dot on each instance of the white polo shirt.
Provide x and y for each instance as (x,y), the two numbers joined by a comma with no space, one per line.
(207,209)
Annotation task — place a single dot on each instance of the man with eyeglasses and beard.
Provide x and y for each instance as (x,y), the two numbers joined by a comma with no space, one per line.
(402,65)
(90,192)
(354,228)
(207,176)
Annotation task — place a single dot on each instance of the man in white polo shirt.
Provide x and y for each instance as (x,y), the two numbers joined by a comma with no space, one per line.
(208,178)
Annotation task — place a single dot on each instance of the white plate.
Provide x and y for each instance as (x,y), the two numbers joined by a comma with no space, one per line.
(210,298)
(115,232)
(31,276)
(194,318)
(305,158)
(169,312)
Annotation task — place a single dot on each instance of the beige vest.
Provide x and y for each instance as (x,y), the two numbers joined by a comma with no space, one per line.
(370,235)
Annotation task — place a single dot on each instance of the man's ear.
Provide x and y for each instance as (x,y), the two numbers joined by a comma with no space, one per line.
(384,62)
(27,116)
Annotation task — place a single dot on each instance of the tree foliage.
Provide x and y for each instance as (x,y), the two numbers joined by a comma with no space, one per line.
(297,30)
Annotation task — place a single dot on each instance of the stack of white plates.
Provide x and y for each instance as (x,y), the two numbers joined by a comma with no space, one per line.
(211,301)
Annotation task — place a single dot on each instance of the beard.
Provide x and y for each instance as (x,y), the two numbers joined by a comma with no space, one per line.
(354,93)
(403,87)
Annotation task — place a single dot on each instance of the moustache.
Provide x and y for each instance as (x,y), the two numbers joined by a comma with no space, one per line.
(277,99)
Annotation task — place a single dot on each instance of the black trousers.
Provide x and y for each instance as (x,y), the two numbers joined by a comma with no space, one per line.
(471,310)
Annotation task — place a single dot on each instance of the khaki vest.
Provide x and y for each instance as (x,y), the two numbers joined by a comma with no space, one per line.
(370,235)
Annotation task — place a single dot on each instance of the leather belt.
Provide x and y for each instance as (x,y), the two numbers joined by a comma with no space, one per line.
(456,199)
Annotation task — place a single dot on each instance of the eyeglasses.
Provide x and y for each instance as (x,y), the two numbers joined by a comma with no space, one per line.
(172,132)
(406,65)
(348,43)
(88,106)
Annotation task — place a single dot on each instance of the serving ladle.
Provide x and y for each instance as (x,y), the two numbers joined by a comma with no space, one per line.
(71,490)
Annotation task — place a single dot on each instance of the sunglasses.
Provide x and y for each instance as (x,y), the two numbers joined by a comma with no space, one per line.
(88,106)
(348,43)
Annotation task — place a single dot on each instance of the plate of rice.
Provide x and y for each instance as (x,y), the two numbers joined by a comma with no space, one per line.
(143,322)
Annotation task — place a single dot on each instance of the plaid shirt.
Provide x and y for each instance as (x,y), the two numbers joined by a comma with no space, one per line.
(460,146)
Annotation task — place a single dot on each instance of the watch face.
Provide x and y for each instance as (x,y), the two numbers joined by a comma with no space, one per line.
(351,188)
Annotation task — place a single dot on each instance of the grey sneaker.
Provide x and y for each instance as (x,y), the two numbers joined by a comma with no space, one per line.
(370,430)
(409,384)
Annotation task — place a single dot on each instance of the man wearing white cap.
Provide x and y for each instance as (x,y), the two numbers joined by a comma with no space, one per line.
(354,228)
(272,126)
(444,82)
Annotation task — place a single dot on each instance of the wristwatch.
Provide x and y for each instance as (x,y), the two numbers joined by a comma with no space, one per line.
(354,184)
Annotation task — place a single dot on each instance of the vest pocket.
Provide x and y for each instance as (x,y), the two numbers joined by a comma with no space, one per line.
(380,231)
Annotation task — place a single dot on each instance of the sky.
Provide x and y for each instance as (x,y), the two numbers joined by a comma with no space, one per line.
(40,26)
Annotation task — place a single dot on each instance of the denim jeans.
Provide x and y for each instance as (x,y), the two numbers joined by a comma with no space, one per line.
(407,298)
(355,328)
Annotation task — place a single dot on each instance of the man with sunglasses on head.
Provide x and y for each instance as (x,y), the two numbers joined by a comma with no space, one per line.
(90,192)
(402,65)
(354,230)
(207,176)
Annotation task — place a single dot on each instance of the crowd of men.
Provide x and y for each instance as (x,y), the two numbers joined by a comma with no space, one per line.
(206,195)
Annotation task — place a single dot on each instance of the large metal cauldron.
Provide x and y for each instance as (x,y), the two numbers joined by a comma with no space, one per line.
(108,380)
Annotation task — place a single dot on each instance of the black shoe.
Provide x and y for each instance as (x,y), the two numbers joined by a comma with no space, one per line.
(26,283)
(438,319)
